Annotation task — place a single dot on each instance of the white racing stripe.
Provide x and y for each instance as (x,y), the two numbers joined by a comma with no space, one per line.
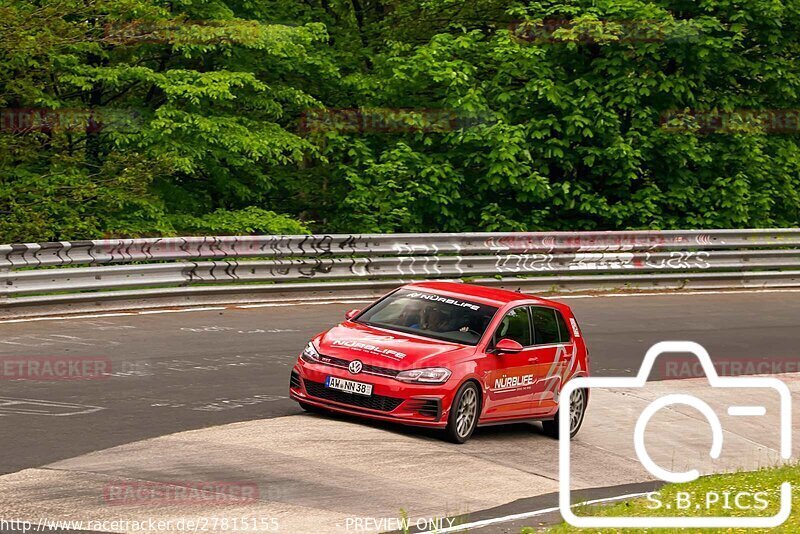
(357,300)
(180,310)
(675,293)
(365,300)
(526,515)
(63,317)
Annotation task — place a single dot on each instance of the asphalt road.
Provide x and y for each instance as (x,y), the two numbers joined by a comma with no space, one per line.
(179,371)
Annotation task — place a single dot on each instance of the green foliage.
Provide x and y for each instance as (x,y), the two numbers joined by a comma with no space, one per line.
(502,120)
(766,482)
(201,98)
(577,142)
(249,221)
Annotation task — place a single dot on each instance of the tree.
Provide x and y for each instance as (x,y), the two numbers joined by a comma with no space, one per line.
(384,116)
(139,123)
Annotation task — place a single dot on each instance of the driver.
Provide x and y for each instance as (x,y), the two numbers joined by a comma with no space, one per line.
(435,319)
(411,314)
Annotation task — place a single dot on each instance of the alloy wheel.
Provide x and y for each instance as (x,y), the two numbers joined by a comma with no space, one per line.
(467,412)
(577,405)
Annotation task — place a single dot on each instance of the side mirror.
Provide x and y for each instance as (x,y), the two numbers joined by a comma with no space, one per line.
(506,345)
(352,313)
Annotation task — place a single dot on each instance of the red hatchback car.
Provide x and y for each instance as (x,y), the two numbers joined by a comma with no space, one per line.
(448,355)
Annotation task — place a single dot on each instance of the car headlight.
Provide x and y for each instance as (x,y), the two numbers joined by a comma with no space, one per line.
(310,353)
(432,375)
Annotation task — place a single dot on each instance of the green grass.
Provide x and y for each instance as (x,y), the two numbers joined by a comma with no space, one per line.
(764,480)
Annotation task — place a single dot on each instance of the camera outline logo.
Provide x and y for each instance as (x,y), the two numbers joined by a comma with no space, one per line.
(715,381)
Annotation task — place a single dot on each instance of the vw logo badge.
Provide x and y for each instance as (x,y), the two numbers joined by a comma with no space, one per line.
(355,367)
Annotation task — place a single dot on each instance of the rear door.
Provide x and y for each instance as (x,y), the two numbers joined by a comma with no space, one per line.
(555,351)
(509,382)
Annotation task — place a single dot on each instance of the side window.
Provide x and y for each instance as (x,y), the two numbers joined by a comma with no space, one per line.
(545,327)
(562,328)
(515,325)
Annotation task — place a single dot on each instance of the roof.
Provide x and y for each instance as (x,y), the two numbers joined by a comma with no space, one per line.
(489,295)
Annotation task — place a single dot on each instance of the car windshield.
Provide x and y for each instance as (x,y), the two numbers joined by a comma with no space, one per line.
(431,315)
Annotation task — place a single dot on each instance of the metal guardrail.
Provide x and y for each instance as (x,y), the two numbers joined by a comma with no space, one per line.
(549,259)
(314,246)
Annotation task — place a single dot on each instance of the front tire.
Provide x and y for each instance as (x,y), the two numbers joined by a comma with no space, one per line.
(464,413)
(577,406)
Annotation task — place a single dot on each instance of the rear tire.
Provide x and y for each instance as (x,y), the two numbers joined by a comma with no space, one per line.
(577,406)
(464,413)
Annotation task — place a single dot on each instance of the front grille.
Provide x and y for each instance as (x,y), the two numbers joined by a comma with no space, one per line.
(294,381)
(373,402)
(426,407)
(371,369)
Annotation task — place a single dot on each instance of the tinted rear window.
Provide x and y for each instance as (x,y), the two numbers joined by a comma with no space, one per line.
(545,327)
(562,327)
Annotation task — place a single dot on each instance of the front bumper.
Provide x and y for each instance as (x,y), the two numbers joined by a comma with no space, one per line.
(391,400)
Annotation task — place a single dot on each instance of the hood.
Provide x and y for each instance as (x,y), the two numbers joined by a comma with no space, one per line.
(387,348)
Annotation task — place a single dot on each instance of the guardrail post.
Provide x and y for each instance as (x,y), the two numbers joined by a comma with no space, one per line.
(3,294)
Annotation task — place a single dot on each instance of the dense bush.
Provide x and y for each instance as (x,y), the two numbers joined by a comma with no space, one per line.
(240,117)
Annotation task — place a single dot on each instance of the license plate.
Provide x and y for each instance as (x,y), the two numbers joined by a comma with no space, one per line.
(349,386)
